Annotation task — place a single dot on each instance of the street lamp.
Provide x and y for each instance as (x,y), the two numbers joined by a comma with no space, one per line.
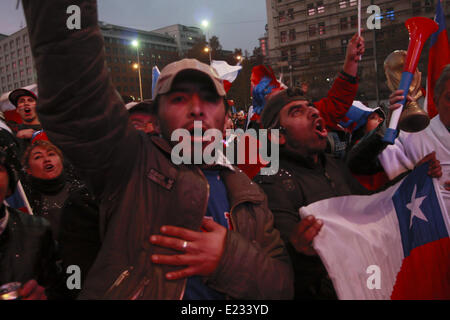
(205,24)
(137,66)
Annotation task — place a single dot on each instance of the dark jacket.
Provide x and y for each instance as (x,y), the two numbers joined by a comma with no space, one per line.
(138,186)
(27,252)
(299,183)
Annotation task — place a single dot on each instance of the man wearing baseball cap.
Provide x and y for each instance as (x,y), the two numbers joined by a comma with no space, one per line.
(157,242)
(307,174)
(25,102)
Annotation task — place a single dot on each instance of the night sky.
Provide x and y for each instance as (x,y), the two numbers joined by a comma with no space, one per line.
(237,23)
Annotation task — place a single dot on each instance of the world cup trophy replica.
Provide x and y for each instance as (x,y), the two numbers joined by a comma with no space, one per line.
(413,118)
(419,29)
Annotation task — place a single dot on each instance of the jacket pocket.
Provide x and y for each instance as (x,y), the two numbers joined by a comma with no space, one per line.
(161,179)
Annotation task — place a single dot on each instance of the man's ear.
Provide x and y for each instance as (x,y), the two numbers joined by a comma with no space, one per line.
(279,139)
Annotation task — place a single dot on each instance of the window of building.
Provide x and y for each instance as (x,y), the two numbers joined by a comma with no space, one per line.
(321,28)
(8,77)
(6,57)
(320,7)
(29,71)
(429,6)
(292,35)
(22,83)
(353,3)
(390,15)
(290,14)
(281,16)
(13,55)
(416,7)
(344,23)
(283,36)
(322,44)
(284,55)
(20,62)
(312,30)
(19,52)
(22,74)
(313,49)
(15,75)
(344,43)
(293,54)
(14,65)
(311,10)
(354,21)
(343,4)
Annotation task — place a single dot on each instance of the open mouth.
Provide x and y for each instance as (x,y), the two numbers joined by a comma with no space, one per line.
(49,167)
(319,127)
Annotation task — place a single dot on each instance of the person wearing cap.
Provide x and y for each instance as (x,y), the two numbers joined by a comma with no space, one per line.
(156,241)
(410,149)
(25,102)
(27,250)
(371,176)
(307,174)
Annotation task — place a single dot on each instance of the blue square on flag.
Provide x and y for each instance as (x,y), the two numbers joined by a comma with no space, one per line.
(418,211)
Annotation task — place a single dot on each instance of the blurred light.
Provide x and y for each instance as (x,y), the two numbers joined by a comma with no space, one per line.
(135,66)
(135,43)
(206,49)
(205,23)
(239,57)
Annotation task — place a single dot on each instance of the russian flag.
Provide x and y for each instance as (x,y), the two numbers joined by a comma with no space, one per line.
(438,58)
(391,245)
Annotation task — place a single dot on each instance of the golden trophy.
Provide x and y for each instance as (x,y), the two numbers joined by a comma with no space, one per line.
(412,118)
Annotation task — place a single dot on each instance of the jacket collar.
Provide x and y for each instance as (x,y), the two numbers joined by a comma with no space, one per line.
(162,144)
(240,188)
(293,160)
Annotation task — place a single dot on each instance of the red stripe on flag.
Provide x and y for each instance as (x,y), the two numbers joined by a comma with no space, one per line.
(425,273)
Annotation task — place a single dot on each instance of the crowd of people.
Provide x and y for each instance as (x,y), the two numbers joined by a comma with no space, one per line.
(102,193)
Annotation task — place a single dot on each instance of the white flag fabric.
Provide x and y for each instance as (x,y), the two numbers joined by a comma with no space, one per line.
(225,71)
(390,245)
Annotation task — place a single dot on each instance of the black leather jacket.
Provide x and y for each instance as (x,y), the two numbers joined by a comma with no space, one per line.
(27,252)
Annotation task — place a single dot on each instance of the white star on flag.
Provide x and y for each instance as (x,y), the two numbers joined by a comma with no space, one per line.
(414,207)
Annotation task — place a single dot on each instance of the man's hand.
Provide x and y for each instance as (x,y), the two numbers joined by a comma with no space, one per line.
(396,97)
(434,165)
(25,134)
(355,49)
(202,250)
(32,291)
(304,233)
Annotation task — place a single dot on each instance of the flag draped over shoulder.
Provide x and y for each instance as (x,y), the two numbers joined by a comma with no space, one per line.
(438,57)
(403,231)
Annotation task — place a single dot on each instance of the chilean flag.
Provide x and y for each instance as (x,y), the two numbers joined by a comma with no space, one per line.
(438,58)
(226,72)
(391,245)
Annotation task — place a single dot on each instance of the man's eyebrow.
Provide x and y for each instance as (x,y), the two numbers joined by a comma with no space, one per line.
(36,152)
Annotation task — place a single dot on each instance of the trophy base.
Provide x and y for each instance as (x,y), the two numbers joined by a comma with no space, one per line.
(413,122)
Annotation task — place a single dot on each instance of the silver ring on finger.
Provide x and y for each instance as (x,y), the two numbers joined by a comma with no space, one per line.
(184,246)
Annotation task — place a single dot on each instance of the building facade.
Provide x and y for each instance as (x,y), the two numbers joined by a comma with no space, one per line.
(185,36)
(307,40)
(155,49)
(16,62)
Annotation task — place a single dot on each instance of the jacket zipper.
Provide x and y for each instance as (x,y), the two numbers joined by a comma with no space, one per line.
(119,280)
(141,288)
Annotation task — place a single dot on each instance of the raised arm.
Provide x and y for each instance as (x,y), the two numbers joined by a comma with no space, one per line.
(78,106)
